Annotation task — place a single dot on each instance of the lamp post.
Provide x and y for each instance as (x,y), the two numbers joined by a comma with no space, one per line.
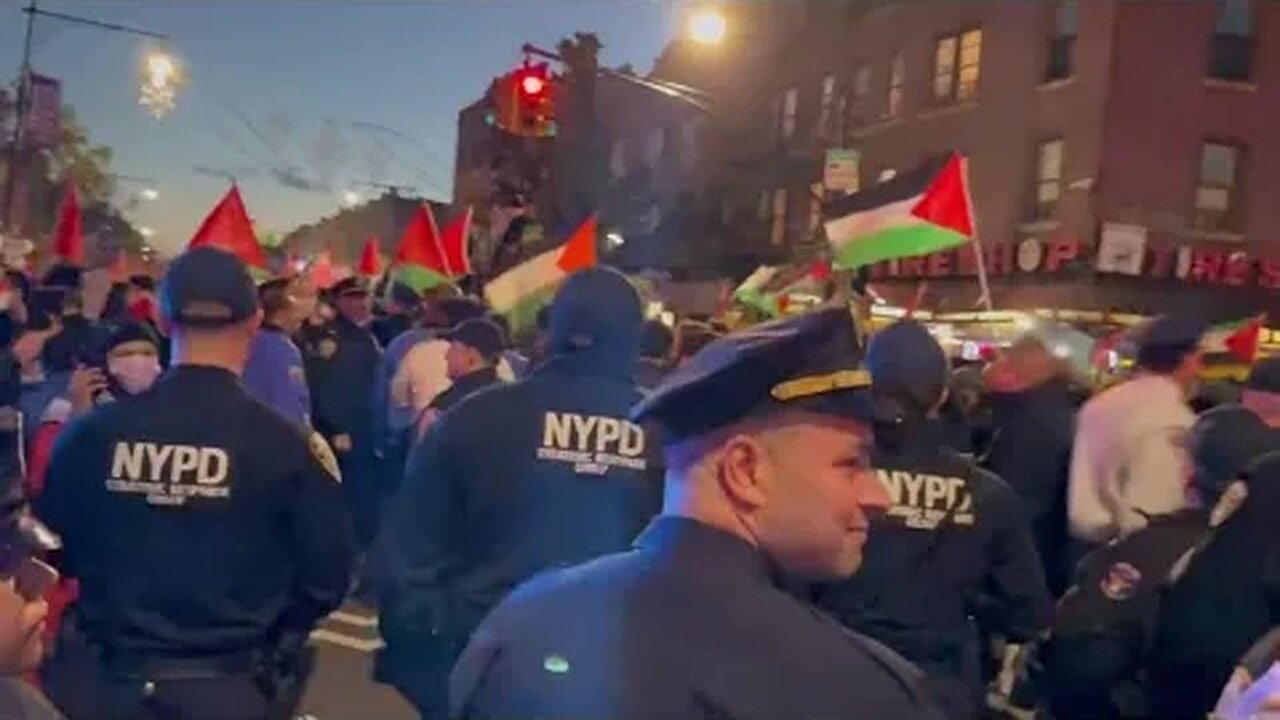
(163,76)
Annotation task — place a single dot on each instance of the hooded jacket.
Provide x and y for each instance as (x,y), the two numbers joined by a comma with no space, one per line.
(514,480)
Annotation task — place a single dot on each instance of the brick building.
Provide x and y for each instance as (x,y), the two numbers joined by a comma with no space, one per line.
(1120,150)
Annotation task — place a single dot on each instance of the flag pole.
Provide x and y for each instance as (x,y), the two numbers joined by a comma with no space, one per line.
(985,299)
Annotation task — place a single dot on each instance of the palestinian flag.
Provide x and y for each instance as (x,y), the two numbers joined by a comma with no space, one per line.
(228,228)
(420,260)
(456,241)
(1238,339)
(915,213)
(68,236)
(769,288)
(521,291)
(370,259)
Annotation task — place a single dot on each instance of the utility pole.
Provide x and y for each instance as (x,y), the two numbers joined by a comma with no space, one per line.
(16,151)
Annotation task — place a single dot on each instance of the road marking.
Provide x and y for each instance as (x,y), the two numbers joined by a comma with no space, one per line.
(353,619)
(333,638)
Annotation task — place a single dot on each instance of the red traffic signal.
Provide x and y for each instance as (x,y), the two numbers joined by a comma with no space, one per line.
(532,85)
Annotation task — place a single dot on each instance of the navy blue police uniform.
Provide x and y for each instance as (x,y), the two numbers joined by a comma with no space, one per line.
(208,534)
(693,621)
(953,557)
(511,481)
(342,364)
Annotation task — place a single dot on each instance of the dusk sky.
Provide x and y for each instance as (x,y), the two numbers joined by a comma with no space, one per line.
(296,84)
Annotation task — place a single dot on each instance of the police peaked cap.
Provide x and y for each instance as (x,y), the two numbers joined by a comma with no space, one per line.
(811,362)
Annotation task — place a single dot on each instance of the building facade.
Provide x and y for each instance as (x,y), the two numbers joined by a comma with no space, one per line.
(1109,171)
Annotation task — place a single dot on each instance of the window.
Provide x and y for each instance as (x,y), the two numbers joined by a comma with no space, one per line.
(787,113)
(1217,191)
(897,80)
(778,231)
(956,66)
(1063,43)
(1231,55)
(1048,178)
(826,111)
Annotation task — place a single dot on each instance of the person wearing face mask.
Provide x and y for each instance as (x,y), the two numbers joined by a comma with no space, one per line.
(208,534)
(275,373)
(767,439)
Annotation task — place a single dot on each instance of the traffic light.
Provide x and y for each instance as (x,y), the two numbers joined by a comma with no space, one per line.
(524,101)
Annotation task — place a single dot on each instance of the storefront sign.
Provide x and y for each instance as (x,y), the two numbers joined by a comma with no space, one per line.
(1129,256)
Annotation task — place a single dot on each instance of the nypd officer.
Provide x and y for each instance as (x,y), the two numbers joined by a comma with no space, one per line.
(208,534)
(954,543)
(514,480)
(766,435)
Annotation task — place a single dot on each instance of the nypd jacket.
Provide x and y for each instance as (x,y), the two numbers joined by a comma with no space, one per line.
(513,480)
(342,366)
(691,623)
(197,520)
(954,542)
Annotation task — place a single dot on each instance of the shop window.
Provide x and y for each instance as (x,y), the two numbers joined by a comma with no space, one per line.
(1217,204)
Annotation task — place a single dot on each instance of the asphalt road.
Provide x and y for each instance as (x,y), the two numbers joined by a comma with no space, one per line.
(342,687)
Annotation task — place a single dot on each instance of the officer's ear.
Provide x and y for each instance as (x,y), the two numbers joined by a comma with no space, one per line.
(744,471)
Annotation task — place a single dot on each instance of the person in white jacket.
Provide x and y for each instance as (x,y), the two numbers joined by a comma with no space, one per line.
(1129,461)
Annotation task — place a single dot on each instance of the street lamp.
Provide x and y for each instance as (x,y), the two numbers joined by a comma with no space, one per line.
(146,232)
(161,78)
(149,194)
(707,26)
(350,198)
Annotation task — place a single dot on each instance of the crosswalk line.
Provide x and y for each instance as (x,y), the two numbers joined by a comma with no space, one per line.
(346,641)
(353,619)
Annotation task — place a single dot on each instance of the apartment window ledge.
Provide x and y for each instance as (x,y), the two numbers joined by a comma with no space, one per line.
(1237,85)
(1060,83)
(948,109)
(1034,227)
(1212,236)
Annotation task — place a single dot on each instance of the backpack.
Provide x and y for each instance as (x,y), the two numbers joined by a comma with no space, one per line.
(1106,622)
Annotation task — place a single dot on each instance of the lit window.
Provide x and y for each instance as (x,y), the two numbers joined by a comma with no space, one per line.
(897,80)
(957,66)
(1048,178)
(778,231)
(790,103)
(826,112)
(1217,196)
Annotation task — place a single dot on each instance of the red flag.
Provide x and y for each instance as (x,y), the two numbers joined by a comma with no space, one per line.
(420,244)
(579,252)
(456,239)
(370,261)
(228,228)
(68,237)
(1243,343)
(118,270)
(821,270)
(321,272)
(946,201)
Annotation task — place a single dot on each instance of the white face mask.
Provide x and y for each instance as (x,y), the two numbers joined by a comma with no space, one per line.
(135,373)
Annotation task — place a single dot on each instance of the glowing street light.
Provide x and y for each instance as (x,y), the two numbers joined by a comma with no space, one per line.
(707,26)
(149,194)
(161,78)
(146,232)
(616,240)
(350,198)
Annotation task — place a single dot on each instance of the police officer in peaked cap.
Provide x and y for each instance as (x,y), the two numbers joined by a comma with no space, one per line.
(955,543)
(208,534)
(767,439)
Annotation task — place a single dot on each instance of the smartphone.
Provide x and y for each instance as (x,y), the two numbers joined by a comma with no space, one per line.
(33,578)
